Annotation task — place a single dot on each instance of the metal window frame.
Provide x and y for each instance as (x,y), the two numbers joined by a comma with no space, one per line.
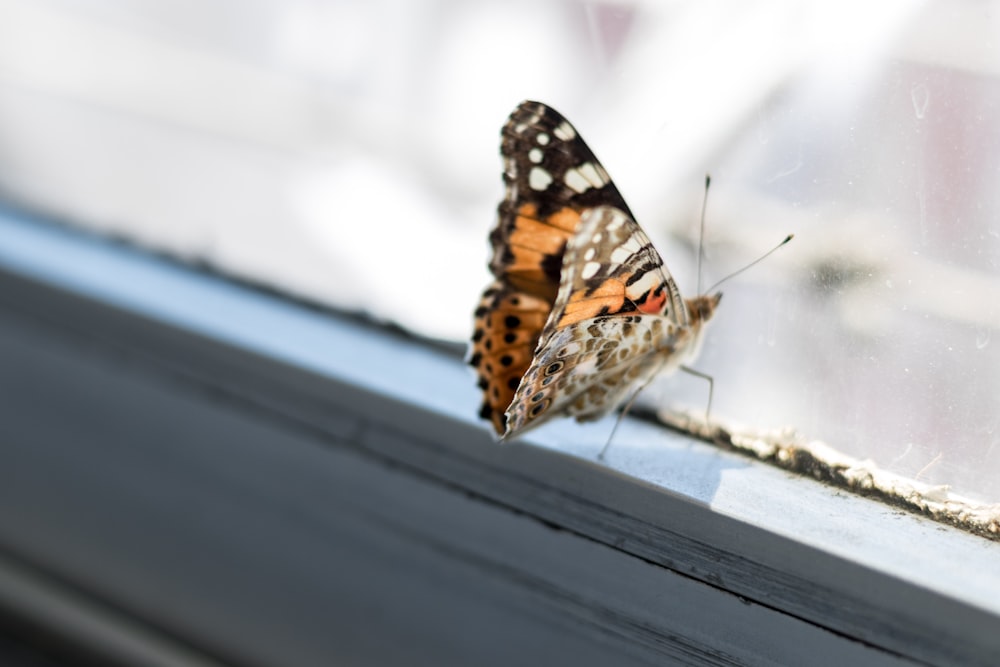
(318,444)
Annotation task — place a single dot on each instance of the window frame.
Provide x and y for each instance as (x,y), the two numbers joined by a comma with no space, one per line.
(876,584)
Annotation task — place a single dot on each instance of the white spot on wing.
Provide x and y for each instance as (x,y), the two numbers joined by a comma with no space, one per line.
(539,179)
(646,281)
(575,181)
(590,270)
(587,175)
(595,175)
(620,254)
(589,255)
(633,244)
(603,174)
(535,155)
(564,131)
(542,139)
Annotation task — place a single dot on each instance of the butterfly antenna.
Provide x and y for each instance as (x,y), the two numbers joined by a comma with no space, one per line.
(701,235)
(756,261)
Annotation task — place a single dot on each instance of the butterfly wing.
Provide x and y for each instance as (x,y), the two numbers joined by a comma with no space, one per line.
(618,319)
(586,369)
(612,268)
(551,177)
(506,333)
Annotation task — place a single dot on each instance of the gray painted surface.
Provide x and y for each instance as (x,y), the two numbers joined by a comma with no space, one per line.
(262,544)
(264,512)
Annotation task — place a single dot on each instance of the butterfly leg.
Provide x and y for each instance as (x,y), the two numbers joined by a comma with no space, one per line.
(711,387)
(621,416)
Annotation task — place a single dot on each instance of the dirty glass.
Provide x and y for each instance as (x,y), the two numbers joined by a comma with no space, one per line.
(346,153)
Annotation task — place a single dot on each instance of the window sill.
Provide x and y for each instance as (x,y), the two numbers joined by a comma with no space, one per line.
(271,484)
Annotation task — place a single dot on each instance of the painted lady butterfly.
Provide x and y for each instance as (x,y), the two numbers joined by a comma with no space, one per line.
(582,311)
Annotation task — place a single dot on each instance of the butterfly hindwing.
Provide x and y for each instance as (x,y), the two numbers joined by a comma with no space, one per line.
(586,369)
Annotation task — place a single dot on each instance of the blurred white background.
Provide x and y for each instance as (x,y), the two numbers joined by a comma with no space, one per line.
(347,152)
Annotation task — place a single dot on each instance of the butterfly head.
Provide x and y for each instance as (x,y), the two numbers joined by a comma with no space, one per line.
(701,308)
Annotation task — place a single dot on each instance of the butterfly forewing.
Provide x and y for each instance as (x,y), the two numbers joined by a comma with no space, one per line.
(504,341)
(612,268)
(616,308)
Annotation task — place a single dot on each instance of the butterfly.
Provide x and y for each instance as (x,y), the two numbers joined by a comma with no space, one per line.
(581,312)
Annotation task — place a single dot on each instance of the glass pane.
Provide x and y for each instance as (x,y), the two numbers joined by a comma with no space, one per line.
(346,152)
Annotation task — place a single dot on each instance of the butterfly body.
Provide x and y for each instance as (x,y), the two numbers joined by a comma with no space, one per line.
(581,311)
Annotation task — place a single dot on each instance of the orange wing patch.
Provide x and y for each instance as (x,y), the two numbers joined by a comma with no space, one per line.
(608,297)
(507,327)
(536,248)
(549,235)
(654,304)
